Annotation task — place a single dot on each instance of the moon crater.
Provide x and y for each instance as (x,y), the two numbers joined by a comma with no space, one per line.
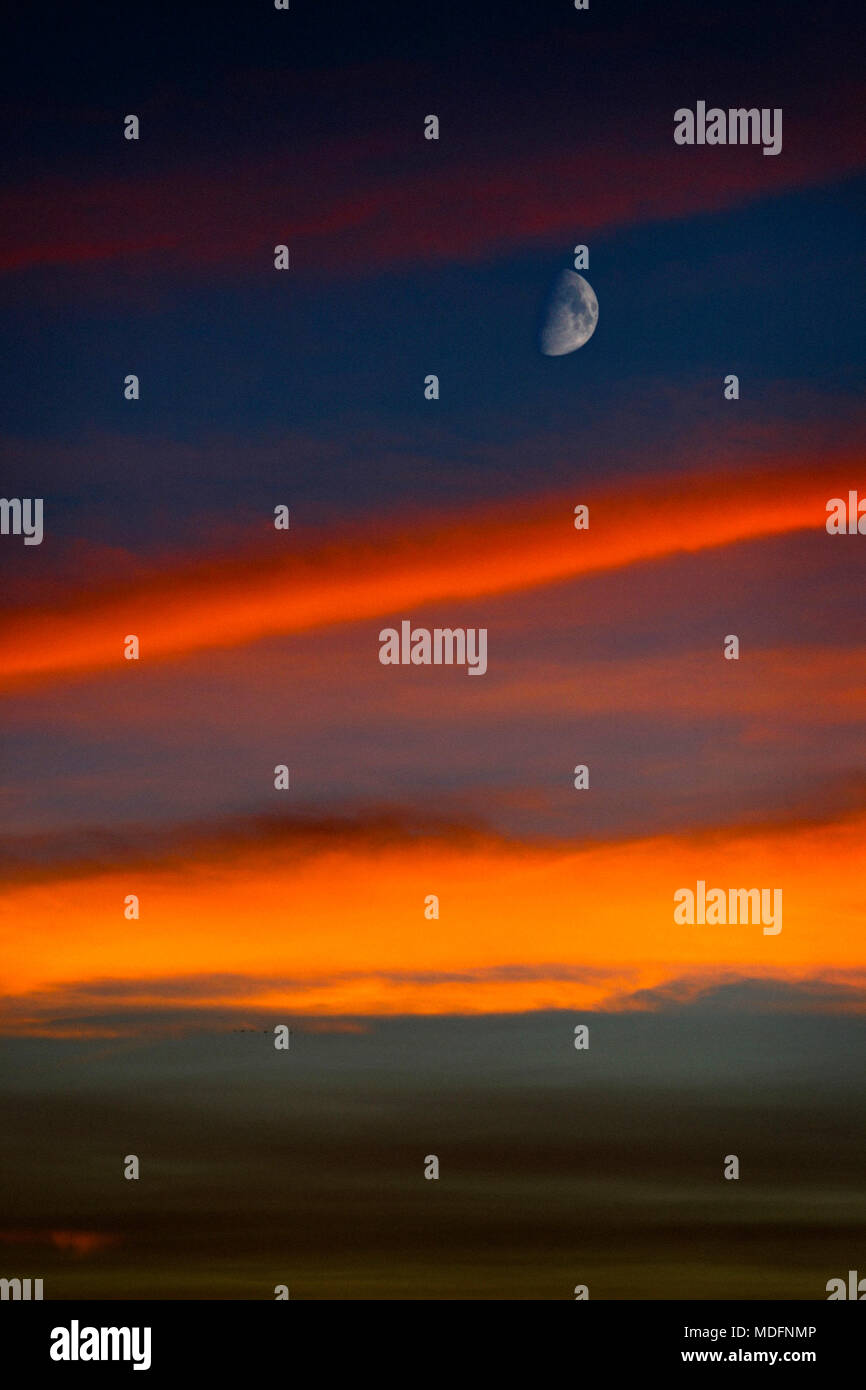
(572,314)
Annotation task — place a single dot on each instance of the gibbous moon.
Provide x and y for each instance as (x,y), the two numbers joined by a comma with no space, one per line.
(572,313)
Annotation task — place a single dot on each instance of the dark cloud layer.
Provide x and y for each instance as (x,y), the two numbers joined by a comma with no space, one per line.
(557,1166)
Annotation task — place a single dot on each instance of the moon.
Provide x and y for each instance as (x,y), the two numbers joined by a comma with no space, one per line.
(572,313)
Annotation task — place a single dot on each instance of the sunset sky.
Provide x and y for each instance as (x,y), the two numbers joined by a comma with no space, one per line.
(260,647)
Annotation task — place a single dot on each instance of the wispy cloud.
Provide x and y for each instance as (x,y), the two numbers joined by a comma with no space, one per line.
(336,926)
(240,599)
(346,210)
(80,1243)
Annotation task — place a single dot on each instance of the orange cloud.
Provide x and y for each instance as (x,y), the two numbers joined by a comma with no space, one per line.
(692,685)
(79,1242)
(338,928)
(228,603)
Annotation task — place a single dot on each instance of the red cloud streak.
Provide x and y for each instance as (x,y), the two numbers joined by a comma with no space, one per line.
(341,211)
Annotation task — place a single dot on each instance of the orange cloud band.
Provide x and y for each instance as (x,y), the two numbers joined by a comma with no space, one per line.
(339,928)
(228,603)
